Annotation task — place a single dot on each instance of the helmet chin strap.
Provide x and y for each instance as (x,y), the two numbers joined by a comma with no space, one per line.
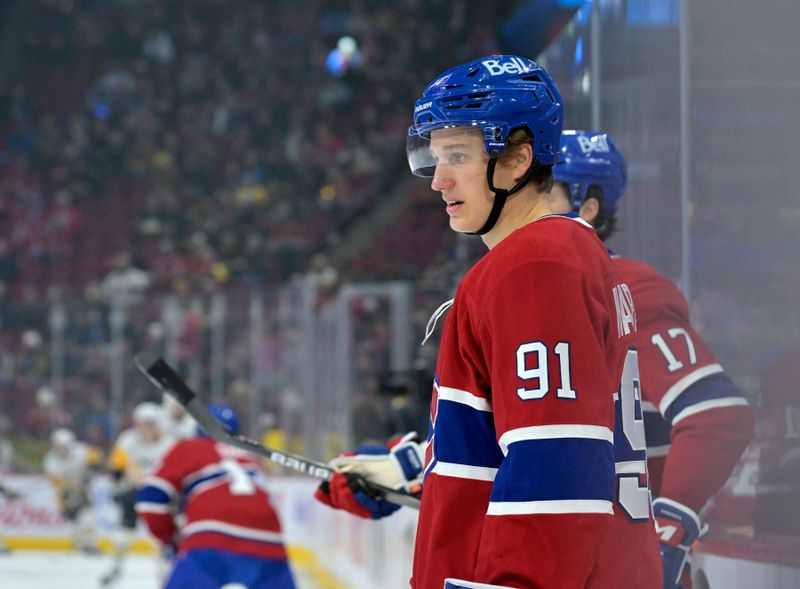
(500,196)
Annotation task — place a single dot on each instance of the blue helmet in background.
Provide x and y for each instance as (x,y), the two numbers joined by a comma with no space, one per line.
(591,159)
(496,94)
(226,415)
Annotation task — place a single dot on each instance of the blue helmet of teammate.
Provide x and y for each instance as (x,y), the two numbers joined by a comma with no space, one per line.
(226,415)
(495,95)
(591,159)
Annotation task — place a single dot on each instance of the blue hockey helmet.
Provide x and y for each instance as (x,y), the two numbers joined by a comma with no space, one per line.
(591,159)
(226,415)
(495,94)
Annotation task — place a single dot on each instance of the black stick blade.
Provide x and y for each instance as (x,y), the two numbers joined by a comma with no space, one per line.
(164,377)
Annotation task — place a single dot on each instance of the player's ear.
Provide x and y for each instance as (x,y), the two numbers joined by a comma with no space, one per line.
(523,159)
(590,210)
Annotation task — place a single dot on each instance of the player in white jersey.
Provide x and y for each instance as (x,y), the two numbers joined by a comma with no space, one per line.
(135,452)
(69,465)
(178,424)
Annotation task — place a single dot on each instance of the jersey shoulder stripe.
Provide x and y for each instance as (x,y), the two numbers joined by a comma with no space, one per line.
(707,405)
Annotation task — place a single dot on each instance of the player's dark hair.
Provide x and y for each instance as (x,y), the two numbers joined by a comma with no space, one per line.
(605,224)
(541,176)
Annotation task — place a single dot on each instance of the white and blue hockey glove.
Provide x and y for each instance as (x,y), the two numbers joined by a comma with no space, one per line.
(678,527)
(397,465)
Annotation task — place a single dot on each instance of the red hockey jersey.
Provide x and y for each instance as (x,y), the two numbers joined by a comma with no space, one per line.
(526,483)
(697,422)
(221,491)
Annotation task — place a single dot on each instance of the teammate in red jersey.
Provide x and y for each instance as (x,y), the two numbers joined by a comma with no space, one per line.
(231,533)
(688,397)
(521,483)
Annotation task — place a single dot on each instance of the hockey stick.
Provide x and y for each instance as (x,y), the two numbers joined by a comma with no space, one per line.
(165,378)
(114,573)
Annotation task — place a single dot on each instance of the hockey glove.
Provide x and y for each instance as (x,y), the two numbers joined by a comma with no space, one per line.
(678,527)
(348,492)
(397,465)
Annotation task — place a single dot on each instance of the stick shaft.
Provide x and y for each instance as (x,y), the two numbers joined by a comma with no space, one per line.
(165,378)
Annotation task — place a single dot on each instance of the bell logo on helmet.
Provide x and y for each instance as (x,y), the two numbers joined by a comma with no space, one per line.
(514,65)
(596,143)
(422,106)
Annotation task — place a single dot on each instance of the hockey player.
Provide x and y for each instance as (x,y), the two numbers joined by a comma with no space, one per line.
(520,488)
(178,424)
(231,533)
(688,397)
(135,452)
(69,465)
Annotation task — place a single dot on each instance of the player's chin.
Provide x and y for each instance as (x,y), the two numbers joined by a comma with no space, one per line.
(460,225)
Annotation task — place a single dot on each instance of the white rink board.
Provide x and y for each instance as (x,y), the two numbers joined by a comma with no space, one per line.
(360,554)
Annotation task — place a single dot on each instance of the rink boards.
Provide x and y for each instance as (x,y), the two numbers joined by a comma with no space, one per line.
(333,549)
(339,551)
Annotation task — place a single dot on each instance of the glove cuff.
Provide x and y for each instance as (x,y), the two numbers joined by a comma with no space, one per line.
(689,520)
(409,459)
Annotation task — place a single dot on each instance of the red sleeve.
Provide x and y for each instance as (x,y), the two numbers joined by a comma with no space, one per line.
(551,387)
(157,498)
(705,418)
(705,449)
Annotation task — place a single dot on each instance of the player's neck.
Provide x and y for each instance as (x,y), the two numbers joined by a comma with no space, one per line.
(520,209)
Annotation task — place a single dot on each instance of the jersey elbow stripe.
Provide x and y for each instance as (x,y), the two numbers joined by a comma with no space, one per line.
(550,507)
(152,495)
(684,383)
(464,471)
(551,432)
(707,405)
(556,470)
(464,435)
(156,508)
(715,387)
(162,484)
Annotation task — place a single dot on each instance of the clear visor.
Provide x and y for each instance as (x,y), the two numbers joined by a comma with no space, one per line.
(457,145)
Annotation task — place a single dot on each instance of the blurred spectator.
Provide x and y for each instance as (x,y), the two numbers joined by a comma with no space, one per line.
(125,281)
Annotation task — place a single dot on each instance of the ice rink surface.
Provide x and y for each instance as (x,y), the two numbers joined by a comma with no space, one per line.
(71,570)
